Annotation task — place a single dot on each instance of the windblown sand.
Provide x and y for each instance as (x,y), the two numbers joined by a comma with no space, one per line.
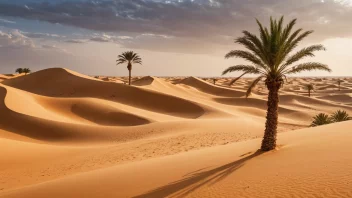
(64,134)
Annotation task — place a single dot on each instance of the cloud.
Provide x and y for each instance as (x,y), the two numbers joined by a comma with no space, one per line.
(101,38)
(41,35)
(207,23)
(75,41)
(109,38)
(16,49)
(156,35)
(15,38)
(6,21)
(179,18)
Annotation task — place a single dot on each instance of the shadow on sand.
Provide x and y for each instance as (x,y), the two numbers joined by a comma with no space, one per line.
(197,179)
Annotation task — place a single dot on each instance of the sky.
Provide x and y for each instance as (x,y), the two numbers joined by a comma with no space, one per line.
(173,37)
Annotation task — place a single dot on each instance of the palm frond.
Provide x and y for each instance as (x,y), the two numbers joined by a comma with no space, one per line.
(308,51)
(264,35)
(244,68)
(236,79)
(287,31)
(254,83)
(291,45)
(245,55)
(307,67)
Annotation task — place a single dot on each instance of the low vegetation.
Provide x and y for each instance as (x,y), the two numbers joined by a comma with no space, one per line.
(323,119)
(340,116)
(23,70)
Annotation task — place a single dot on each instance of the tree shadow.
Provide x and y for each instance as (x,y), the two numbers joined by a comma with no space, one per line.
(197,179)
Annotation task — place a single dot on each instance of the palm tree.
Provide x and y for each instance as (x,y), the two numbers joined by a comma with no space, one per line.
(19,70)
(340,116)
(270,57)
(309,87)
(321,119)
(339,81)
(130,57)
(26,71)
(214,80)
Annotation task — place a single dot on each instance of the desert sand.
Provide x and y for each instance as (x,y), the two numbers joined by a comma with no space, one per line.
(65,134)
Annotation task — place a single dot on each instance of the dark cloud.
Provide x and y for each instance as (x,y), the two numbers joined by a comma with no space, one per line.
(203,21)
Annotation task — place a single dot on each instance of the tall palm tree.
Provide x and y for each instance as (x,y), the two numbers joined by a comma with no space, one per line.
(339,81)
(321,119)
(340,116)
(270,57)
(309,87)
(19,70)
(130,58)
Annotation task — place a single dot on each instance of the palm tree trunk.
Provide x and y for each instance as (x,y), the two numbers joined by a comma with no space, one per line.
(129,67)
(129,77)
(269,140)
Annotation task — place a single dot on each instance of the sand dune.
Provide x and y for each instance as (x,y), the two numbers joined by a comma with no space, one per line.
(148,80)
(235,170)
(341,98)
(64,134)
(3,77)
(211,89)
(67,84)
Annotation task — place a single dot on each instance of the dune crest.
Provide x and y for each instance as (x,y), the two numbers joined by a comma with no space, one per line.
(59,82)
(210,88)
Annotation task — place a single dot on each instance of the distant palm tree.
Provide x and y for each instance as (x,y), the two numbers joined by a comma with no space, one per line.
(339,81)
(19,70)
(26,71)
(321,119)
(340,116)
(309,87)
(129,57)
(214,80)
(270,55)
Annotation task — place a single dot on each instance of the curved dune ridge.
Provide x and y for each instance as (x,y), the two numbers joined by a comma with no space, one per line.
(147,80)
(211,89)
(72,110)
(63,83)
(3,77)
(89,110)
(64,134)
(72,120)
(289,110)
(341,98)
